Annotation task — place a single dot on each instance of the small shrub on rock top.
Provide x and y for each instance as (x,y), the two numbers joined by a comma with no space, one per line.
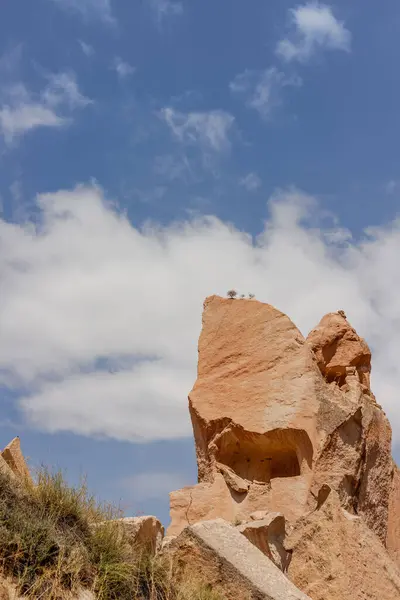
(231,294)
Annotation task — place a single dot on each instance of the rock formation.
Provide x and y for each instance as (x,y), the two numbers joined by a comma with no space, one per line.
(335,556)
(143,533)
(14,459)
(268,534)
(230,564)
(279,422)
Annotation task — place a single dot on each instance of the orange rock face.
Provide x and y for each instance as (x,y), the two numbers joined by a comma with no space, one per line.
(14,459)
(254,420)
(276,416)
(337,348)
(335,556)
(393,532)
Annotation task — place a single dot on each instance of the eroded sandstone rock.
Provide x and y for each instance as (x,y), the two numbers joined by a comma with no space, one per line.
(338,348)
(275,417)
(336,556)
(393,532)
(230,563)
(143,533)
(355,455)
(254,418)
(12,455)
(5,468)
(268,535)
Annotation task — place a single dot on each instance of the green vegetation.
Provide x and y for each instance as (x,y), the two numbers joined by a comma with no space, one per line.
(56,540)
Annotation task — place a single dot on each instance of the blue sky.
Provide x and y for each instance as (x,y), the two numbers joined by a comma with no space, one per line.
(157,151)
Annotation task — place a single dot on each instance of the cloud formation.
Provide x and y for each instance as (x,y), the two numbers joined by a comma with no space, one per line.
(314,27)
(100,319)
(22,111)
(209,130)
(262,89)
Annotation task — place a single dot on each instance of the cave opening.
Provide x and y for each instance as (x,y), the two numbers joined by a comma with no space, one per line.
(262,457)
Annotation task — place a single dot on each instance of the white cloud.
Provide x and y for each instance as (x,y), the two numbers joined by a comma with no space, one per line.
(90,9)
(251,182)
(209,129)
(100,320)
(314,28)
(152,486)
(87,49)
(17,120)
(21,111)
(165,8)
(262,89)
(122,68)
(63,89)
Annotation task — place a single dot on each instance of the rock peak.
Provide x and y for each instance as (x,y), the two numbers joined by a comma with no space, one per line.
(339,350)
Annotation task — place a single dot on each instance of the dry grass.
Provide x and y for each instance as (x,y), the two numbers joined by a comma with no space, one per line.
(56,540)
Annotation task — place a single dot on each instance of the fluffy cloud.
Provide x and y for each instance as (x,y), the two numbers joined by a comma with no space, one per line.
(21,111)
(262,89)
(91,9)
(314,28)
(100,320)
(210,130)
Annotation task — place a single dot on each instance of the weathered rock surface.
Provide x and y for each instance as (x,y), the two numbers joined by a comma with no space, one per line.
(144,533)
(254,418)
(355,455)
(4,468)
(338,347)
(393,534)
(276,416)
(12,455)
(228,561)
(268,535)
(336,556)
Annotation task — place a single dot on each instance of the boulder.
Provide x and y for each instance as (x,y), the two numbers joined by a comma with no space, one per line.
(12,455)
(143,533)
(336,556)
(268,535)
(229,563)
